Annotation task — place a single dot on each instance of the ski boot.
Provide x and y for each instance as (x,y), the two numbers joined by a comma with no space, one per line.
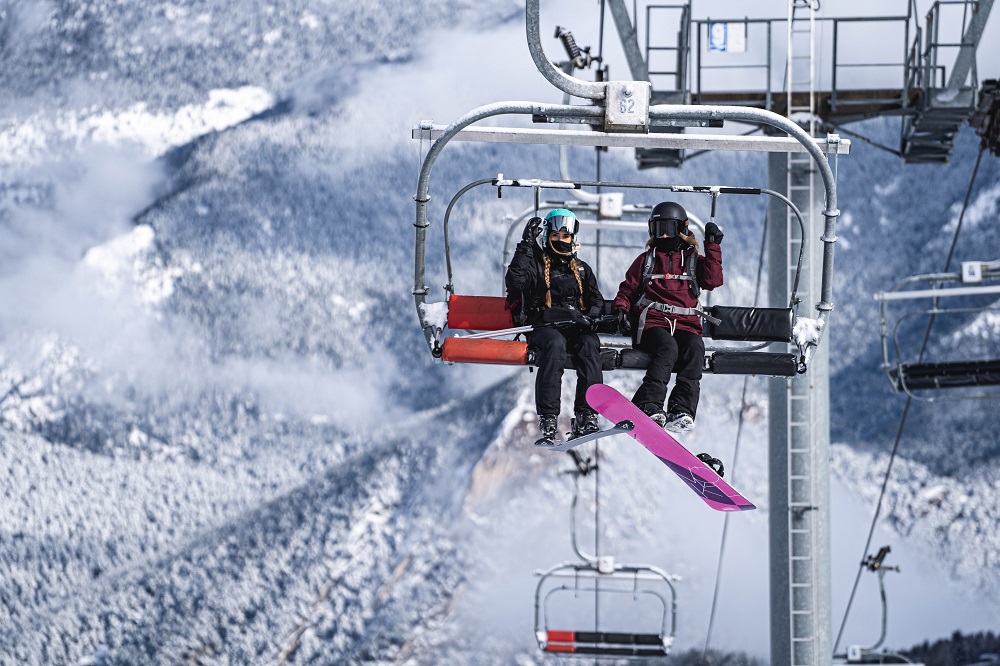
(679,422)
(548,426)
(585,423)
(656,414)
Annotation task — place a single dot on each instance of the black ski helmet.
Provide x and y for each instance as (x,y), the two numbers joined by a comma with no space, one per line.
(668,218)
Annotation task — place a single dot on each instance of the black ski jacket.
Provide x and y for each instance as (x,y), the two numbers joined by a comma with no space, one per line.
(526,288)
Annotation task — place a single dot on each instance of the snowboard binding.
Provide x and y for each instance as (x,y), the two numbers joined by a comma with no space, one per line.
(714,463)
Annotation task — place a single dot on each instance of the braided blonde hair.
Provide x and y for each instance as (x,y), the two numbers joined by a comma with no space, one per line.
(574,267)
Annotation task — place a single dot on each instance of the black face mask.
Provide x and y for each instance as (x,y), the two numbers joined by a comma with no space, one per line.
(668,244)
(561,247)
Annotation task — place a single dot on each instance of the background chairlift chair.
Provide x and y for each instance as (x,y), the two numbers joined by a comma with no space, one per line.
(857,654)
(921,379)
(579,585)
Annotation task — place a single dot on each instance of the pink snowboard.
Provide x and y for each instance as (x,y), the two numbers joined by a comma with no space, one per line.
(702,479)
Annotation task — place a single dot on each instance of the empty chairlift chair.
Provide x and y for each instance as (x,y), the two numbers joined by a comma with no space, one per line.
(598,607)
(966,302)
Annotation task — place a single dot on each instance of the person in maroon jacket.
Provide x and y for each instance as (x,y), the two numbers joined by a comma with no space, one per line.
(658,304)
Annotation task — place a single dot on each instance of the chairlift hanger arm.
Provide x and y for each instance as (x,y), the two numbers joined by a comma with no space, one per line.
(558,78)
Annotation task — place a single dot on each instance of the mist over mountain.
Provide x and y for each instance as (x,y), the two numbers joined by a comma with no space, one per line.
(223,440)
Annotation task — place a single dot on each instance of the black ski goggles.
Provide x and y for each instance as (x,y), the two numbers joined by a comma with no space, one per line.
(563,223)
(669,228)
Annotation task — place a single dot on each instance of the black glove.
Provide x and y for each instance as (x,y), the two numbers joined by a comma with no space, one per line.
(624,325)
(531,229)
(713,234)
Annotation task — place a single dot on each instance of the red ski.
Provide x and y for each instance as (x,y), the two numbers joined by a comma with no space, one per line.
(700,477)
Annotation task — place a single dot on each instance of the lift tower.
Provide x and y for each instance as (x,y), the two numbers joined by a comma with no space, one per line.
(652,117)
(798,425)
(932,100)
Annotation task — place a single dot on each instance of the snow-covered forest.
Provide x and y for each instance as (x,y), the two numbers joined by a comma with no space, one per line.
(222,440)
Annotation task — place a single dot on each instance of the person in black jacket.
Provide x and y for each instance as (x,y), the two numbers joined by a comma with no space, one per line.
(547,284)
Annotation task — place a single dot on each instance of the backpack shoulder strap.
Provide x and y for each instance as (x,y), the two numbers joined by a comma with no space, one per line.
(647,272)
(692,271)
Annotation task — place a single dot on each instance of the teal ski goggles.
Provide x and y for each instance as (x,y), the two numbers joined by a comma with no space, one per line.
(562,223)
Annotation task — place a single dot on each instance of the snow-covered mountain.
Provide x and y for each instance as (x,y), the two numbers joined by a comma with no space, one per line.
(223,439)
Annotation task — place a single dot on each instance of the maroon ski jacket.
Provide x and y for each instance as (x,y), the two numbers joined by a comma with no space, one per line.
(708,273)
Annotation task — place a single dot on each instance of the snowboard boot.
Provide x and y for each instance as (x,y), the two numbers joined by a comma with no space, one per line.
(679,422)
(658,416)
(714,463)
(585,423)
(548,426)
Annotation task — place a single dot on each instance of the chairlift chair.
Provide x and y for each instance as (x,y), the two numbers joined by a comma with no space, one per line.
(580,584)
(622,110)
(746,330)
(924,379)
(859,654)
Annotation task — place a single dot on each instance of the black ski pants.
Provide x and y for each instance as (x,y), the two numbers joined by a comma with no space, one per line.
(551,349)
(683,353)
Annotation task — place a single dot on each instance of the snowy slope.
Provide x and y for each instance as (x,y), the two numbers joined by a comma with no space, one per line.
(223,440)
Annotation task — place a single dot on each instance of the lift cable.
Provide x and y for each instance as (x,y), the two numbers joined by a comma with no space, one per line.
(736,452)
(906,410)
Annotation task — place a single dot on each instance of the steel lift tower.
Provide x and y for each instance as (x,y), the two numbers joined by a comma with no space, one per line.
(933,102)
(780,88)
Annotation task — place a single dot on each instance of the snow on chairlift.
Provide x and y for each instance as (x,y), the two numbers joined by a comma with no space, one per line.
(623,111)
(644,618)
(745,330)
(924,379)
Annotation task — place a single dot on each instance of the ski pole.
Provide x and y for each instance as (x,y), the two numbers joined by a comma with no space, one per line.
(603,319)
(516,330)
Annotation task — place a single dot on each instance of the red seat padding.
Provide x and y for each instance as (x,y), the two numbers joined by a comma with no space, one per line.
(497,352)
(478,313)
